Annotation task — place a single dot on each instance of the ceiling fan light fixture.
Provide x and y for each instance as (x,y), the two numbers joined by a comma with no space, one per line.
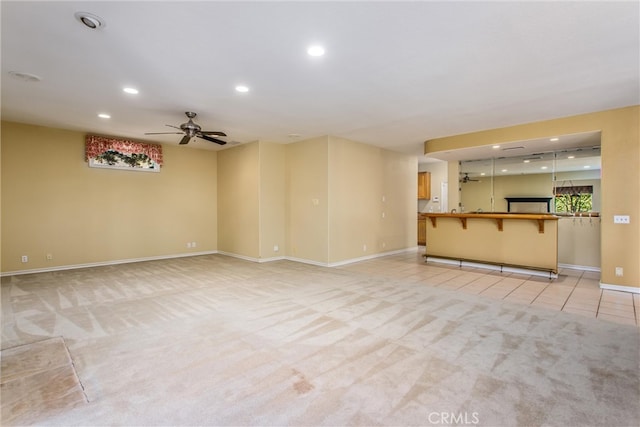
(90,20)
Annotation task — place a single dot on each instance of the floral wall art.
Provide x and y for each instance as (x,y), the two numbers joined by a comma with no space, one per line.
(111,153)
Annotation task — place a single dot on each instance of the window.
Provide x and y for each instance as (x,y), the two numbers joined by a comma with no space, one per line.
(574,199)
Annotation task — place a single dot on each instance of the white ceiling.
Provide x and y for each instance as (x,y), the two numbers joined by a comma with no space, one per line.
(394,75)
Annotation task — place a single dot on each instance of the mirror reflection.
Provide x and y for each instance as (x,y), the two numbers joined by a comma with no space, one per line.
(568,179)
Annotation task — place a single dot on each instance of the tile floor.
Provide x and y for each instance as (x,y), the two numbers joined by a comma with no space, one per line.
(574,291)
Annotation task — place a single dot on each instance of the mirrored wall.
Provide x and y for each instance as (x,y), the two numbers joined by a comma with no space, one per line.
(569,179)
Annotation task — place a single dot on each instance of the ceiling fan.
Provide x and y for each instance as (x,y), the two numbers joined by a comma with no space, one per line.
(466,178)
(190,129)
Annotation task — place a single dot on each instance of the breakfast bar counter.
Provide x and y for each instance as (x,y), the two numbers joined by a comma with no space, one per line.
(507,239)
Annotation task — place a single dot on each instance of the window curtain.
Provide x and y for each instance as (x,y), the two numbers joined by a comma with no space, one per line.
(574,190)
(96,145)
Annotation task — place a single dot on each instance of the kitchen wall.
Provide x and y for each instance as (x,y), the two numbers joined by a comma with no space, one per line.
(53,203)
(579,242)
(620,182)
(438,171)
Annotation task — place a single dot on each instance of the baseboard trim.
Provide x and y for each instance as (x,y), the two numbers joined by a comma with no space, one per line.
(306,261)
(252,259)
(243,257)
(632,289)
(102,263)
(369,257)
(580,267)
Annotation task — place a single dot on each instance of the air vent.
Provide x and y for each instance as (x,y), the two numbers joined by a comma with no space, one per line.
(513,148)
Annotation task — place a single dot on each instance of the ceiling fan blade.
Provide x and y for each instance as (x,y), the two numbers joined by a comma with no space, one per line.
(175,127)
(164,133)
(185,139)
(212,132)
(208,138)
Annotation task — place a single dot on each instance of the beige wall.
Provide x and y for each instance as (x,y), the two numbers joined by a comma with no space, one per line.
(53,203)
(257,201)
(238,200)
(272,200)
(620,184)
(307,219)
(372,209)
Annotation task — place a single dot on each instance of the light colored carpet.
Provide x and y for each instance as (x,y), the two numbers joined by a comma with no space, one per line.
(38,380)
(213,340)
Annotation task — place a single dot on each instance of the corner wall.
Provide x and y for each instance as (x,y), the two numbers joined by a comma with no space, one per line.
(372,200)
(238,201)
(272,200)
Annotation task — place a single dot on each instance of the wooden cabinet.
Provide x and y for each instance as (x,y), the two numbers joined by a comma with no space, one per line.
(424,185)
(422,231)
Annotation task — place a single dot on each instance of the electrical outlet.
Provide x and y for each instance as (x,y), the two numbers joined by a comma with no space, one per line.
(188,245)
(619,271)
(276,248)
(49,257)
(25,258)
(193,244)
(621,219)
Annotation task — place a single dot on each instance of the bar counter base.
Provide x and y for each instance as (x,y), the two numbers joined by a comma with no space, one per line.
(502,268)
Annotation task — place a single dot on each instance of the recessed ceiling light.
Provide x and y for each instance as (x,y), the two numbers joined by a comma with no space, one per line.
(495,147)
(315,50)
(104,116)
(571,157)
(242,88)
(131,90)
(554,139)
(25,77)
(505,170)
(543,167)
(587,167)
(482,174)
(527,161)
(90,20)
